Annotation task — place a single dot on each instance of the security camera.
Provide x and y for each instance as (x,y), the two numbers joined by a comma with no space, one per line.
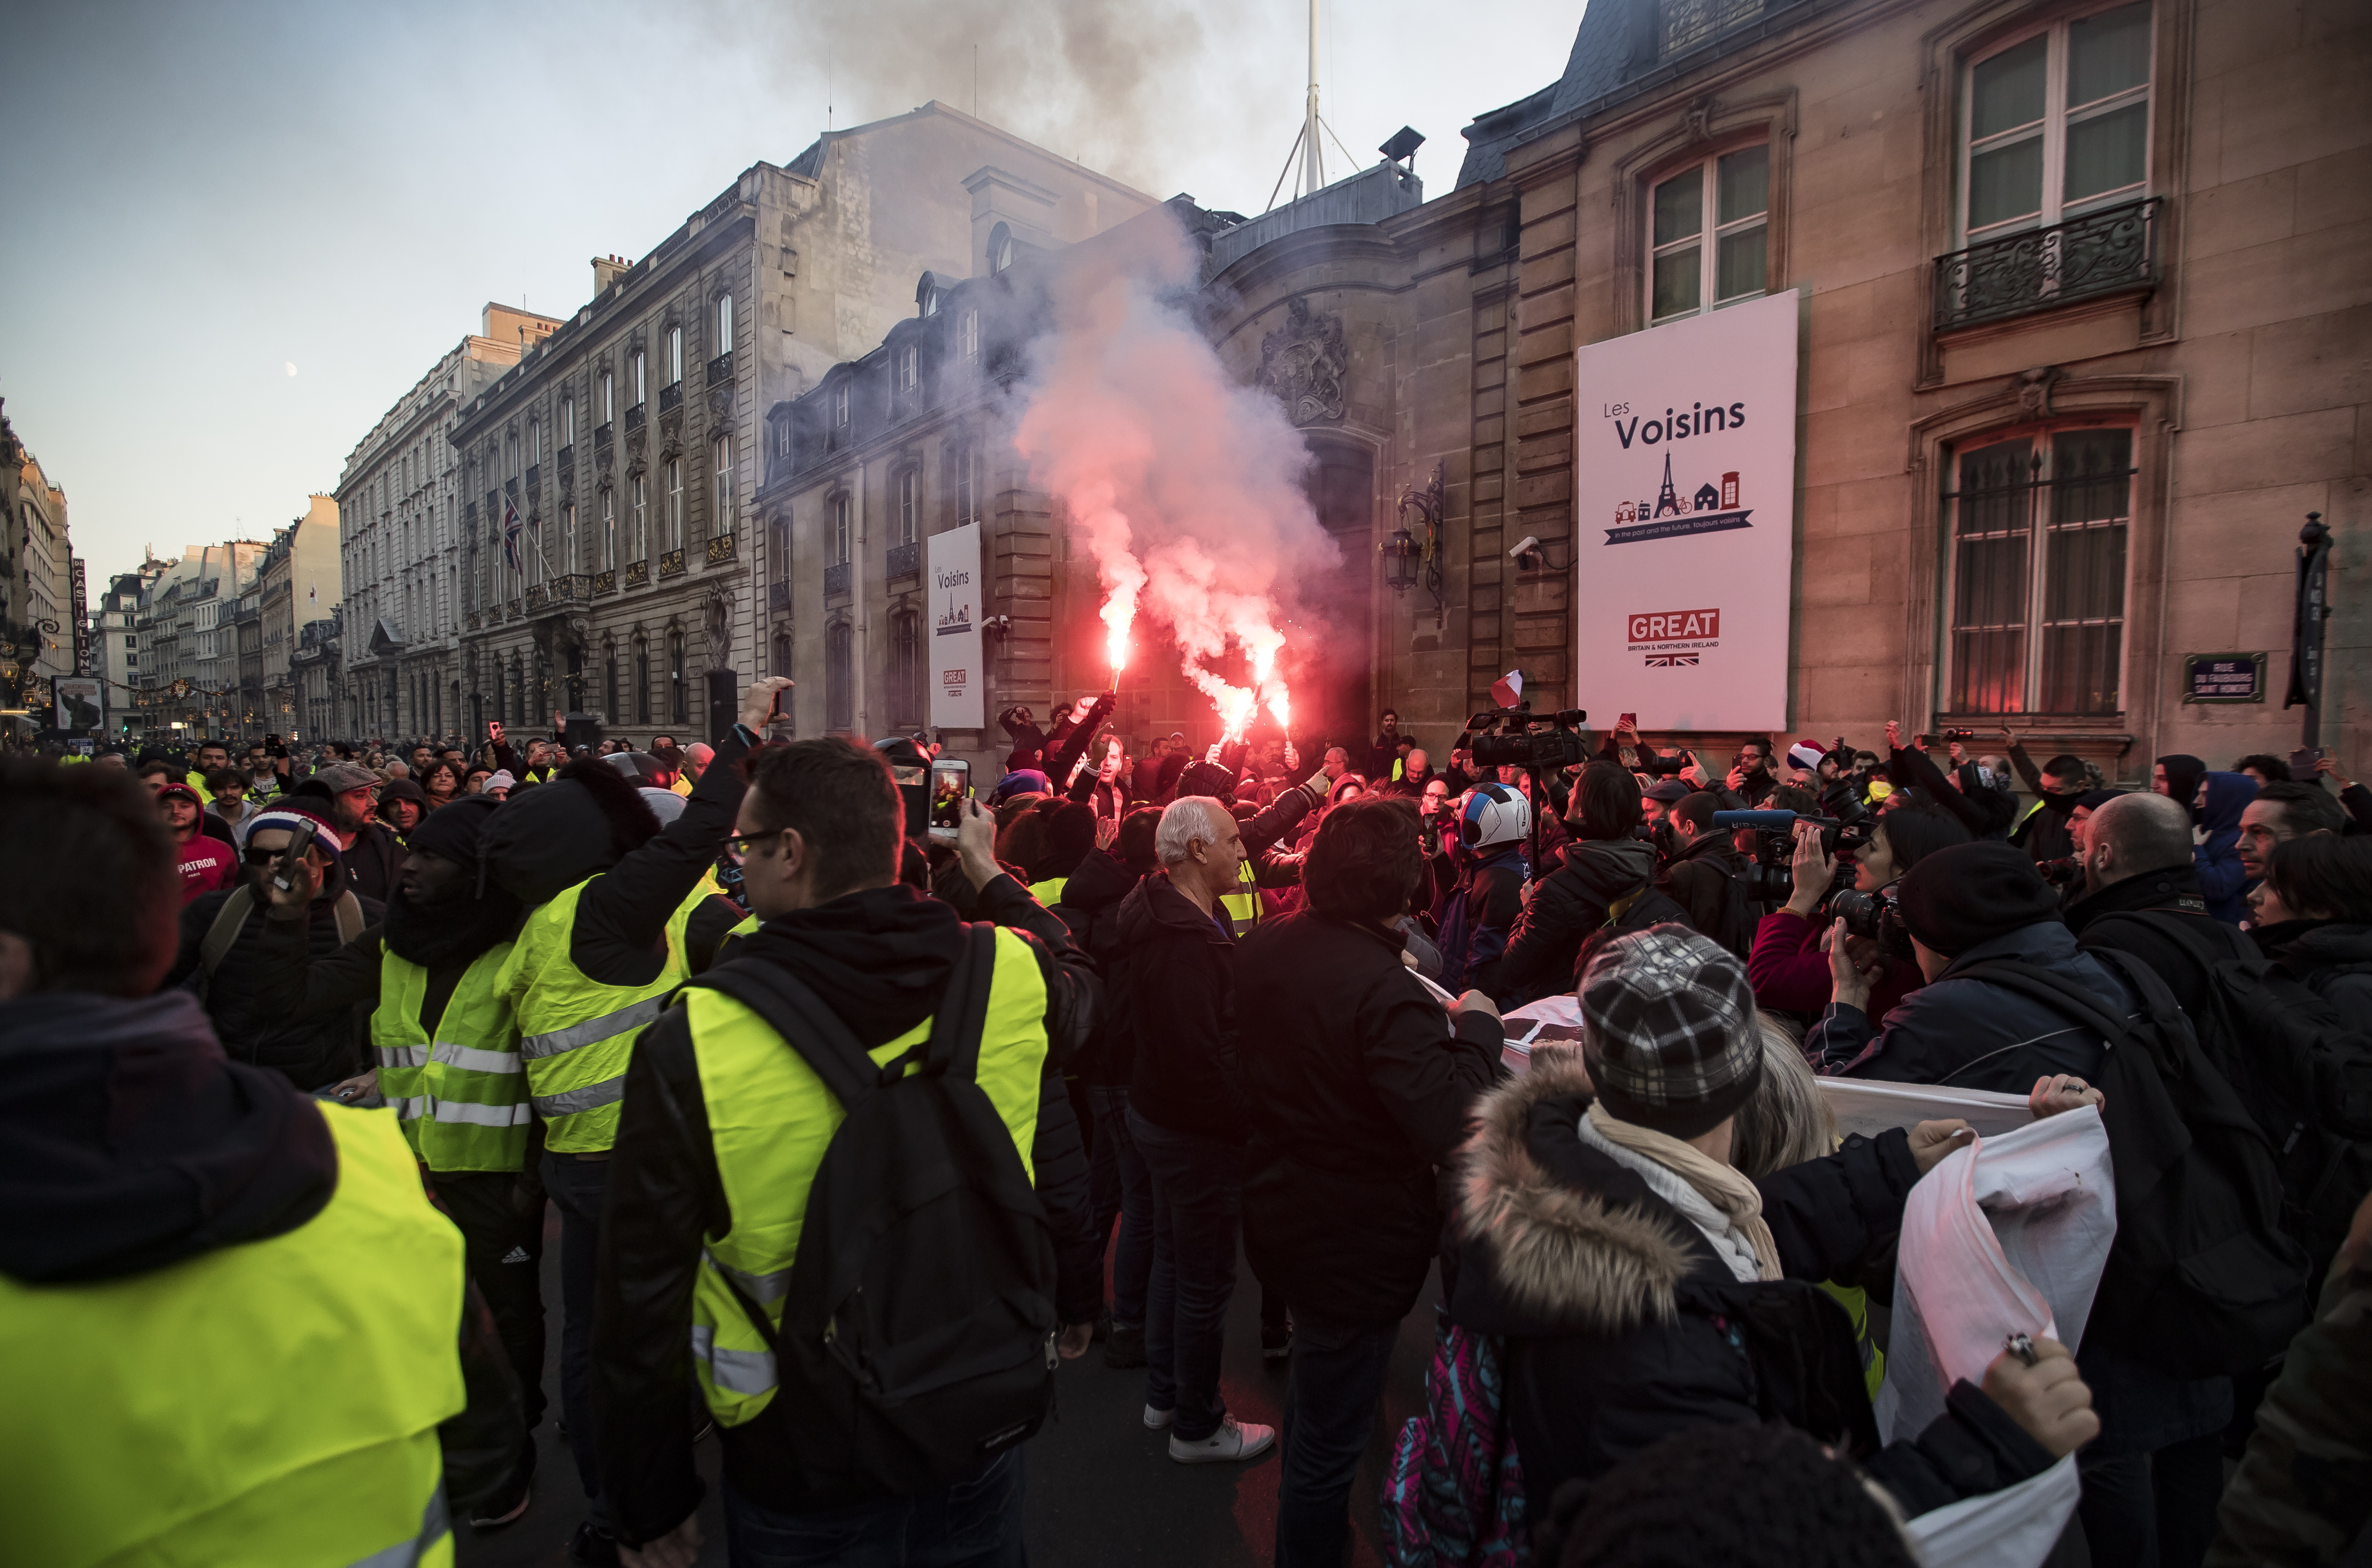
(1529,544)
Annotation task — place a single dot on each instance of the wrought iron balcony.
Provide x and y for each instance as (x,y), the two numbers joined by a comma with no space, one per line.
(602,433)
(634,417)
(534,476)
(605,582)
(637,574)
(671,564)
(720,549)
(535,596)
(569,588)
(512,610)
(720,369)
(778,596)
(905,561)
(671,396)
(835,578)
(510,487)
(2104,252)
(566,456)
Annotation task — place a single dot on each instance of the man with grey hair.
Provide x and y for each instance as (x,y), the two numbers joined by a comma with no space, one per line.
(2143,897)
(1171,1001)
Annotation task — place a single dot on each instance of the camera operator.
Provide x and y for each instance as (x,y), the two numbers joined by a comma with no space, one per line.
(1789,967)
(1608,870)
(1700,874)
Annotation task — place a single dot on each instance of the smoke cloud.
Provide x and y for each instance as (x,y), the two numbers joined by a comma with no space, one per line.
(1187,484)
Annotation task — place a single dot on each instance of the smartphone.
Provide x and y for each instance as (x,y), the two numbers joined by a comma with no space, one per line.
(1627,721)
(950,787)
(2302,761)
(283,870)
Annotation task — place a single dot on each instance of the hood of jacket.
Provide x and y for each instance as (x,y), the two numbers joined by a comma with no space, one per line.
(551,838)
(2172,887)
(1155,908)
(1713,844)
(1610,867)
(2227,795)
(129,1142)
(1099,882)
(1587,1247)
(878,957)
(2182,770)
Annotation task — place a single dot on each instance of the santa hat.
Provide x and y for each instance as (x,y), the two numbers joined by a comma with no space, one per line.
(1807,755)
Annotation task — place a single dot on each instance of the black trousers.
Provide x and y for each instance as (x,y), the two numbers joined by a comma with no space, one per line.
(505,1253)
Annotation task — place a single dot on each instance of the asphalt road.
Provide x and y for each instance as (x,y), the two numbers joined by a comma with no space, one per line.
(1102,1490)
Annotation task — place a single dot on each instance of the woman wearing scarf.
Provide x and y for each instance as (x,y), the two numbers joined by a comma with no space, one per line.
(2215,808)
(1639,1285)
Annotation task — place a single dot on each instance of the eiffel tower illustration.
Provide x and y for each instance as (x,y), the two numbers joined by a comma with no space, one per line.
(1667,504)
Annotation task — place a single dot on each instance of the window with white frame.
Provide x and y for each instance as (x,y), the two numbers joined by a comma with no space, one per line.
(637,382)
(638,516)
(568,538)
(674,503)
(909,505)
(2056,124)
(720,479)
(609,397)
(840,530)
(2040,527)
(967,335)
(910,363)
(609,529)
(675,354)
(1710,244)
(723,323)
(568,421)
(778,552)
(840,403)
(967,471)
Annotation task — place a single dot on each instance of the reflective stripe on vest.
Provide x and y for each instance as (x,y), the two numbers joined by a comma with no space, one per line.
(1243,905)
(273,1402)
(769,1121)
(462,1095)
(576,1033)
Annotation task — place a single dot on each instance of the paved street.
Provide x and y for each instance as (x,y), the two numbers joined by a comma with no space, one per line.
(1102,1490)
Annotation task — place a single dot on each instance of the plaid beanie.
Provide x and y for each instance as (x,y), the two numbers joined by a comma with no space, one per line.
(1667,1030)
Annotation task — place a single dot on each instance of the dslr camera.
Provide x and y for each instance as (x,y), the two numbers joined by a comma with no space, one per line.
(1877,916)
(1517,737)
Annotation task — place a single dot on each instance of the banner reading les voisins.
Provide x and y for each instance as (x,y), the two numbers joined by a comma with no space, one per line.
(1684,460)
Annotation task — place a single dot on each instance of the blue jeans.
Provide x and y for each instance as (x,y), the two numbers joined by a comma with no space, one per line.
(1124,1187)
(580,1188)
(1329,1413)
(973,1521)
(1197,1199)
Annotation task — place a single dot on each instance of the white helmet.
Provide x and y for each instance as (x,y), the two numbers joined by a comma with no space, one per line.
(1494,815)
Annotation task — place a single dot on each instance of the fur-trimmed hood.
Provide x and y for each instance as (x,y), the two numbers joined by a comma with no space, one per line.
(1550,1235)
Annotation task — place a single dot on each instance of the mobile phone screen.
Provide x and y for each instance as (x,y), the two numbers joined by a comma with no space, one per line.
(950,787)
(2302,761)
(1627,720)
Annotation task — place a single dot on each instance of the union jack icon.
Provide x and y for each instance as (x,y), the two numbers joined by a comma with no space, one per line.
(1666,661)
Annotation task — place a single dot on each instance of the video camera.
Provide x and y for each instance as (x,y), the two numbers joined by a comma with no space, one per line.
(1512,737)
(1770,878)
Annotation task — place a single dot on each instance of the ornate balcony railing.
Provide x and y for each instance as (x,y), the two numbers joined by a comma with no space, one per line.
(606,581)
(905,561)
(720,369)
(778,596)
(671,564)
(512,610)
(569,588)
(634,417)
(535,476)
(536,597)
(720,549)
(637,574)
(510,487)
(566,456)
(671,396)
(2103,252)
(835,578)
(601,433)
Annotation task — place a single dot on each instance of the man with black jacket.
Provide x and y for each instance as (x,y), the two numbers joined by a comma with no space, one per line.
(311,1055)
(348,796)
(1605,866)
(1359,1091)
(1699,874)
(2143,897)
(2058,787)
(821,832)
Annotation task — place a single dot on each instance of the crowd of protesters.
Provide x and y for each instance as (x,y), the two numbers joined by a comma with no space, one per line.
(859,1126)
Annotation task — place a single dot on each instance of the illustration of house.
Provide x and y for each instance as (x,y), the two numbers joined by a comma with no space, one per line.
(1708,499)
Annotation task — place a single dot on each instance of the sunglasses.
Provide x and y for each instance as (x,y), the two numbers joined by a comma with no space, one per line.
(738,847)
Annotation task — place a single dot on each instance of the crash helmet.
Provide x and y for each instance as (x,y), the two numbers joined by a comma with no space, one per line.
(1494,815)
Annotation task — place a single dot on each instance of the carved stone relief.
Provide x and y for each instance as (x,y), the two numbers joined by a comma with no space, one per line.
(1303,364)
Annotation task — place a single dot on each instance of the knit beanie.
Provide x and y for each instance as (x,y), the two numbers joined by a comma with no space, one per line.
(1667,1030)
(452,830)
(1960,896)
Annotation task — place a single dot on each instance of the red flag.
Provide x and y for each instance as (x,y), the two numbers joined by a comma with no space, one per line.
(1508,689)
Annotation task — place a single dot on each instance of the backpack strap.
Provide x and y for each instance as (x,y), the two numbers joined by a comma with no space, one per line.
(224,933)
(962,1015)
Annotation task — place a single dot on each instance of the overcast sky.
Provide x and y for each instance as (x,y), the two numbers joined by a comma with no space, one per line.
(235,233)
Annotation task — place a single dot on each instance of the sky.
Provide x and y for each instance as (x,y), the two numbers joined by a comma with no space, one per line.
(236,234)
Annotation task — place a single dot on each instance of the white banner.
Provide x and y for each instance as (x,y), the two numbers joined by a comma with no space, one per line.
(952,657)
(1684,521)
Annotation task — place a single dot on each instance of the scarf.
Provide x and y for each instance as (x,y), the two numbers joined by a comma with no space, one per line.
(1715,1199)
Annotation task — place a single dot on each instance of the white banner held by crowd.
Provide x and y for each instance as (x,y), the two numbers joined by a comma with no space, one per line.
(1684,519)
(954,612)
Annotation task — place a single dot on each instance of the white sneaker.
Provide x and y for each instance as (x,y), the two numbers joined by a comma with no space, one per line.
(1234,1440)
(1158,1421)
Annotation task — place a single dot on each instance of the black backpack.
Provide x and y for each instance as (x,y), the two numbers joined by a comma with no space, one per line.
(2304,1072)
(1642,906)
(918,1332)
(2201,1279)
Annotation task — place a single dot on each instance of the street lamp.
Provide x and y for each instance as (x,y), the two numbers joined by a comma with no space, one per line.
(1409,558)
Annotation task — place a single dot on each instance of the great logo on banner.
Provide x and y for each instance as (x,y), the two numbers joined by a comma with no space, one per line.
(1685,477)
(954,613)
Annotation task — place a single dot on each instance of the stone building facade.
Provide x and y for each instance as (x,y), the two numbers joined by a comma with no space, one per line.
(2084,326)
(607,480)
(402,547)
(303,568)
(37,616)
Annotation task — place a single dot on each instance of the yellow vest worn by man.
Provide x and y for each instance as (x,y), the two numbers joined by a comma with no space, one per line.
(272,1401)
(461,1096)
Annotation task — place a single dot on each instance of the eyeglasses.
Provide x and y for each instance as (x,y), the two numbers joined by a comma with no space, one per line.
(738,847)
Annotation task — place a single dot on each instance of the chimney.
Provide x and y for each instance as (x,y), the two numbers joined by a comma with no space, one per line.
(607,270)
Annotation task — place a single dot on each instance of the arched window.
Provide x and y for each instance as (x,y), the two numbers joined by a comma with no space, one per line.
(675,677)
(1000,249)
(906,668)
(839,684)
(641,680)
